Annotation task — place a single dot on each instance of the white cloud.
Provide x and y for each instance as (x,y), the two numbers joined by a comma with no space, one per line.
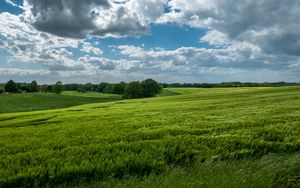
(25,44)
(89,48)
(216,38)
(96,17)
(273,25)
(249,39)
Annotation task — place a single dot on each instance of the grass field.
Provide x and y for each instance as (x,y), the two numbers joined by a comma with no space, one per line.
(43,101)
(237,137)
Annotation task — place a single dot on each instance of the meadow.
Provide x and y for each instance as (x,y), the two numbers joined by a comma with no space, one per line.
(43,101)
(229,137)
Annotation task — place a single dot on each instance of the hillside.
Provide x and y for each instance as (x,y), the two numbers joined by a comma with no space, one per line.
(229,137)
(43,101)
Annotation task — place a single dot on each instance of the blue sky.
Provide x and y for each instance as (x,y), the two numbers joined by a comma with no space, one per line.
(170,41)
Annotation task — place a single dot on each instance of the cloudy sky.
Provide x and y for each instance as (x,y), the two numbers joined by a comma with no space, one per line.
(168,40)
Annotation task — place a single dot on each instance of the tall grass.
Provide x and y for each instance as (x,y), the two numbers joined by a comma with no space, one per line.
(228,133)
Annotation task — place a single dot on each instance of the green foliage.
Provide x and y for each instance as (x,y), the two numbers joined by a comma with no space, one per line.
(101,87)
(58,87)
(88,86)
(132,90)
(144,89)
(109,88)
(229,137)
(150,88)
(46,88)
(11,87)
(34,86)
(119,88)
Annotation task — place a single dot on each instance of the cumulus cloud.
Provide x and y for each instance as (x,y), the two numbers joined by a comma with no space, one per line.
(94,17)
(273,25)
(216,38)
(89,48)
(63,18)
(247,40)
(101,63)
(24,44)
(26,40)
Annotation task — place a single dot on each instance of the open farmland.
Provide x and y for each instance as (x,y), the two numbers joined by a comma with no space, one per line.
(42,101)
(230,137)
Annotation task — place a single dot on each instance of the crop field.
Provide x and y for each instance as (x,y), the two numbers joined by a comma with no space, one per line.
(43,101)
(229,137)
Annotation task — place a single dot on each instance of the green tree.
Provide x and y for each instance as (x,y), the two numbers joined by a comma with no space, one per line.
(109,88)
(88,86)
(11,87)
(119,88)
(150,88)
(58,88)
(34,86)
(101,87)
(132,90)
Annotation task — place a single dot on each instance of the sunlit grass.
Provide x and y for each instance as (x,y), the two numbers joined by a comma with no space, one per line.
(209,137)
(42,101)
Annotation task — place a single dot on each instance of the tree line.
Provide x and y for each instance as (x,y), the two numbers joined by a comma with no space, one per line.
(228,84)
(136,89)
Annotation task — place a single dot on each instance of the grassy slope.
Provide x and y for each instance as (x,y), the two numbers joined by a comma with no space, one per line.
(211,137)
(42,101)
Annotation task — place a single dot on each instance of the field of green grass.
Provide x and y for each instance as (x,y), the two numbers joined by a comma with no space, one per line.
(229,137)
(42,101)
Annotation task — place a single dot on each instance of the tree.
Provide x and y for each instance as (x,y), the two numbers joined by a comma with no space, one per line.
(33,86)
(88,86)
(109,88)
(23,87)
(119,88)
(150,88)
(101,87)
(132,90)
(58,87)
(11,87)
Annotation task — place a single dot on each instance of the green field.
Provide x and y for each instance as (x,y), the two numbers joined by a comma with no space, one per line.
(42,101)
(237,137)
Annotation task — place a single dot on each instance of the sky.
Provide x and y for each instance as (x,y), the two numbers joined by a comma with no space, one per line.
(193,41)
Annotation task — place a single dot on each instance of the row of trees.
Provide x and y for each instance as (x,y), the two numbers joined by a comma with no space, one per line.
(13,87)
(228,84)
(136,89)
(114,88)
